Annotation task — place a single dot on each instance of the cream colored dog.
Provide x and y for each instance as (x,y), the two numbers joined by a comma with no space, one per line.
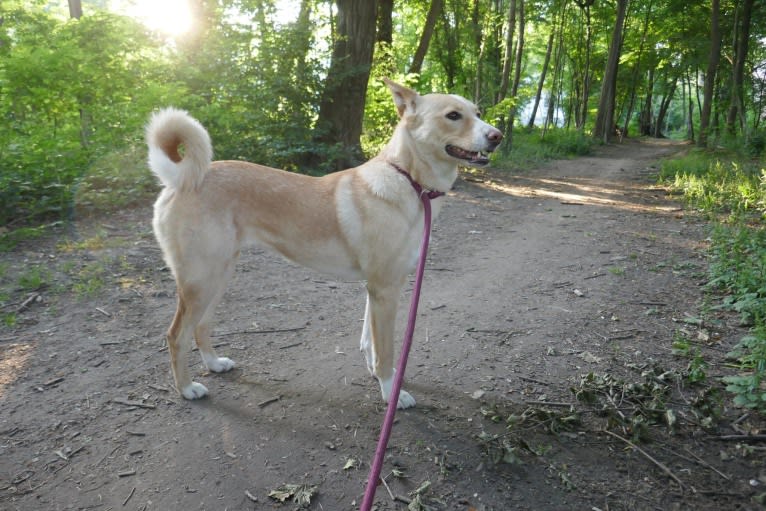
(362,223)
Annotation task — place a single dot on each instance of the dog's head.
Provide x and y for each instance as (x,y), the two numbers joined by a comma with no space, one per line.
(447,126)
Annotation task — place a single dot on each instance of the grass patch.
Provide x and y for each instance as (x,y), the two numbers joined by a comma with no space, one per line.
(732,191)
(530,148)
(115,181)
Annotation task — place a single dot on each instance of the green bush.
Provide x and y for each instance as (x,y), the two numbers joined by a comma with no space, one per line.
(532,147)
(737,271)
(717,183)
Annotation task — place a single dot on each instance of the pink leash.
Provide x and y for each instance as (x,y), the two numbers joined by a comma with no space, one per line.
(388,422)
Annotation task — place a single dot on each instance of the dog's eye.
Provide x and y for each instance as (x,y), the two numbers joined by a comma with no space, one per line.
(478,114)
(454,116)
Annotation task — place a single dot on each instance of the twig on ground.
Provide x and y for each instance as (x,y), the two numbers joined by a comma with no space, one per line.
(385,485)
(708,465)
(649,457)
(124,502)
(270,331)
(532,380)
(31,298)
(267,402)
(742,438)
(550,403)
(251,496)
(128,402)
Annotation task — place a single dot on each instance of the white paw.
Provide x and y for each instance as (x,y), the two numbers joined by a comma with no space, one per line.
(218,364)
(194,391)
(405,398)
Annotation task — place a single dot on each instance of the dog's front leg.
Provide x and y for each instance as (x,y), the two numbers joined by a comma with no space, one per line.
(380,318)
(365,343)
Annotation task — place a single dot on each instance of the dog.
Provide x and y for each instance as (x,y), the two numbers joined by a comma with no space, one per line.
(363,223)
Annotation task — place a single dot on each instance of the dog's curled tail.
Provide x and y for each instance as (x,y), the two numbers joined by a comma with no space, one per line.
(180,151)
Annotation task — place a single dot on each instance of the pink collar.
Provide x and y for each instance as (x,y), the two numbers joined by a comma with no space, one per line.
(431,194)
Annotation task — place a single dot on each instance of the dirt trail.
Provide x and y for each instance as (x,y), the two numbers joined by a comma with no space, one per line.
(533,281)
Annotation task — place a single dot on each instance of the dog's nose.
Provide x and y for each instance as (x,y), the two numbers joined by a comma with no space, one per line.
(494,137)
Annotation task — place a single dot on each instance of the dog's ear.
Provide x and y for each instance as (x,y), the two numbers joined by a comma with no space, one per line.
(404,98)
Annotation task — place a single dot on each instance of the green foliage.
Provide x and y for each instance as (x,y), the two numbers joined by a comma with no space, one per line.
(717,184)
(534,147)
(749,386)
(114,181)
(737,270)
(34,278)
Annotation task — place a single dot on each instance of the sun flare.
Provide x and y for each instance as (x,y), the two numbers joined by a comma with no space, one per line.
(172,17)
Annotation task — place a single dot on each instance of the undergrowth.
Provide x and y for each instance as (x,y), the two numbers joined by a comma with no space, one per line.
(731,190)
(530,148)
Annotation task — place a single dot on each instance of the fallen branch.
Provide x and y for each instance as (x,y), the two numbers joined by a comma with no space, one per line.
(271,331)
(263,404)
(31,298)
(708,465)
(649,457)
(741,438)
(128,402)
(129,496)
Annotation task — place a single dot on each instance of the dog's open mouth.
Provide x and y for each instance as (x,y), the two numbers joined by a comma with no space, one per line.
(472,157)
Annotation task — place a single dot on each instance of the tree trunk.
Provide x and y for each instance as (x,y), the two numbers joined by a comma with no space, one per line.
(646,117)
(637,72)
(478,40)
(505,76)
(712,69)
(557,79)
(585,5)
(75,9)
(604,127)
(664,105)
(385,33)
(541,83)
(737,105)
(516,74)
(425,38)
(341,109)
(690,106)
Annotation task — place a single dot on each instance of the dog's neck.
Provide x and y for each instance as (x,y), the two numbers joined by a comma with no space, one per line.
(430,194)
(430,173)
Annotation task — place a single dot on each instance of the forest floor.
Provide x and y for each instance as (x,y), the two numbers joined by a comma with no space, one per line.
(565,357)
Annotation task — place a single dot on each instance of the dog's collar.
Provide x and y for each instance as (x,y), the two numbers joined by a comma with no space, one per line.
(431,194)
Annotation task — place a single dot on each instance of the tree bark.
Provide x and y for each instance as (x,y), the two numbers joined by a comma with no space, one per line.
(385,25)
(712,69)
(516,74)
(75,9)
(664,105)
(580,117)
(604,126)
(737,105)
(341,109)
(541,83)
(425,38)
(505,77)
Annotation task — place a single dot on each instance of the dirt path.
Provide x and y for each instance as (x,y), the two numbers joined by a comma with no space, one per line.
(534,281)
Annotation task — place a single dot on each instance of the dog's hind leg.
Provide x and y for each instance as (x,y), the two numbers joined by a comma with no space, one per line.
(196,303)
(382,317)
(210,358)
